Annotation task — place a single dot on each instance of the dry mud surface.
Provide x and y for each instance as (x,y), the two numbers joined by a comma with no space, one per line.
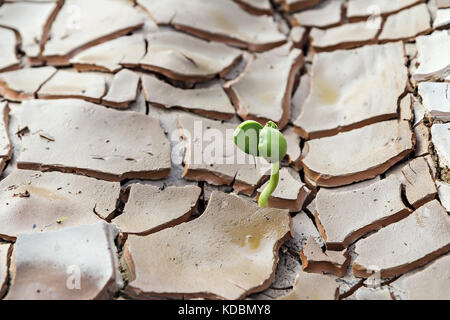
(120,179)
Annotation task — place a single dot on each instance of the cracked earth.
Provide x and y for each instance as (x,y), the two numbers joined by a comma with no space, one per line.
(120,179)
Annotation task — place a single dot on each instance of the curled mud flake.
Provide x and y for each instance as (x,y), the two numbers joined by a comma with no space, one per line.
(150,209)
(290,193)
(59,221)
(325,14)
(5,252)
(345,36)
(211,102)
(270,144)
(51,203)
(419,186)
(222,21)
(296,5)
(111,55)
(69,84)
(435,100)
(367,293)
(312,286)
(90,118)
(444,194)
(62,276)
(169,49)
(433,62)
(96,23)
(441,149)
(342,229)
(430,222)
(23,84)
(343,159)
(407,24)
(244,253)
(22,132)
(264,90)
(315,260)
(335,98)
(357,9)
(429,282)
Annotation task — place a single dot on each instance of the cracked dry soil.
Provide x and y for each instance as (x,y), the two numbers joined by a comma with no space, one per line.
(120,179)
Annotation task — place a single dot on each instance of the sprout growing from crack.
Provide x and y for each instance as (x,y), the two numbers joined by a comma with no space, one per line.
(267,142)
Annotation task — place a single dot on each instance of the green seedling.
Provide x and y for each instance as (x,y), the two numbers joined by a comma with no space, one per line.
(267,142)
